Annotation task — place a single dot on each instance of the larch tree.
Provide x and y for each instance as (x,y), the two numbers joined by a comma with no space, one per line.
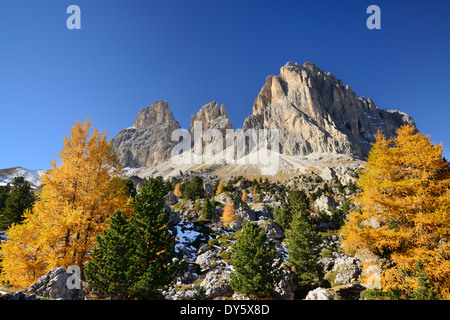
(219,188)
(78,197)
(177,191)
(244,196)
(228,215)
(404,213)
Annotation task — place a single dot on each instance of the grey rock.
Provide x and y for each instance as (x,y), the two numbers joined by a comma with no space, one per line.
(348,270)
(272,230)
(321,294)
(284,290)
(54,285)
(20,295)
(327,263)
(217,283)
(325,203)
(171,198)
(206,260)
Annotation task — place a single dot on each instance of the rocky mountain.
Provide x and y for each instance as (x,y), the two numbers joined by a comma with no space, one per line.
(316,113)
(148,141)
(318,118)
(32,176)
(212,118)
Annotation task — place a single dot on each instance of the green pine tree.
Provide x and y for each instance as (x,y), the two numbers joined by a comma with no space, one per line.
(283,216)
(193,189)
(135,257)
(298,200)
(154,263)
(207,210)
(303,248)
(4,193)
(425,290)
(107,272)
(257,270)
(20,198)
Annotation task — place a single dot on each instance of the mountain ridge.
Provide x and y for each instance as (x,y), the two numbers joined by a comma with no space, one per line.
(312,110)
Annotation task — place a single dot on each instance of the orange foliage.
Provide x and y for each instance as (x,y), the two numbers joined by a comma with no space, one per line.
(228,215)
(78,197)
(177,190)
(219,188)
(244,196)
(405,211)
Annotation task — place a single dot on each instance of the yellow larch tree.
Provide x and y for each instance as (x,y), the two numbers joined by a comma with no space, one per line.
(177,190)
(78,197)
(219,188)
(228,215)
(244,196)
(404,213)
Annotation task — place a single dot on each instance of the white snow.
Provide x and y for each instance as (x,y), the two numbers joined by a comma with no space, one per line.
(30,175)
(186,235)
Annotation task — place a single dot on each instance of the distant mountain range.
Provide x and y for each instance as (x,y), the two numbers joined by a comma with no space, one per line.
(32,176)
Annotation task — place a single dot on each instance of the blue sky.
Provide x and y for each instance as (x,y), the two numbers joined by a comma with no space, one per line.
(129,54)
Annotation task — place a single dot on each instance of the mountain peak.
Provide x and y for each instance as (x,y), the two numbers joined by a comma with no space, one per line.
(317,114)
(212,117)
(157,114)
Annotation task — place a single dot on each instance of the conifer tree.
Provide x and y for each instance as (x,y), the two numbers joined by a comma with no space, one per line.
(135,257)
(257,270)
(219,188)
(244,196)
(207,210)
(77,199)
(153,264)
(228,215)
(406,195)
(19,199)
(283,216)
(107,272)
(193,189)
(303,248)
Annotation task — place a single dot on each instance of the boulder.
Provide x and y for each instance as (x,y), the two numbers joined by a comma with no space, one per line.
(272,229)
(217,283)
(321,294)
(57,284)
(348,270)
(171,198)
(20,295)
(325,203)
(206,259)
(284,290)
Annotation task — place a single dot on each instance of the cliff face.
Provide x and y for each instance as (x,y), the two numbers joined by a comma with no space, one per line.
(315,113)
(148,141)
